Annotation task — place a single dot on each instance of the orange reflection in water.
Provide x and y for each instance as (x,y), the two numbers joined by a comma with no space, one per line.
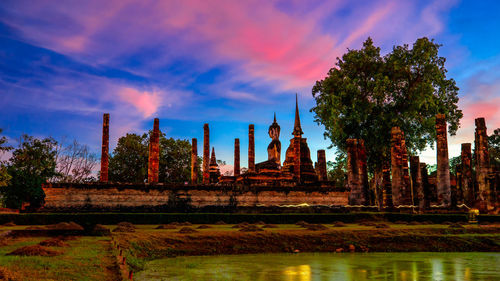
(298,273)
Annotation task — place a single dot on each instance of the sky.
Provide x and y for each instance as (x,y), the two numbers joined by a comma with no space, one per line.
(227,63)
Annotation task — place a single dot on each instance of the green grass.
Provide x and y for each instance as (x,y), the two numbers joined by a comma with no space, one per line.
(87,258)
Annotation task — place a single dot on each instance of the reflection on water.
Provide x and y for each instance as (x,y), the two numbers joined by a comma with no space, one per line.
(328,266)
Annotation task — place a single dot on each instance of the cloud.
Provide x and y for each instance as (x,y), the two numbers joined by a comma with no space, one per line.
(145,102)
(292,45)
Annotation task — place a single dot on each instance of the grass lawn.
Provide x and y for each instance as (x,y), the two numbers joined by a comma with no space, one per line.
(86,258)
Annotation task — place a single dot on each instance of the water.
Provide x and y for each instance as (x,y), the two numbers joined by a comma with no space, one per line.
(327,266)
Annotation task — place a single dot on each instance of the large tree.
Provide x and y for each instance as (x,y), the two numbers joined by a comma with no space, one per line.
(129,160)
(366,94)
(31,164)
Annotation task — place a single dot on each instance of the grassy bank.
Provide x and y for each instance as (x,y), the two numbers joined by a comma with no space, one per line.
(81,258)
(148,243)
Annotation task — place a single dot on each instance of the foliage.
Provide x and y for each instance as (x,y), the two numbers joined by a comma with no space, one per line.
(4,175)
(31,164)
(454,162)
(175,160)
(494,148)
(75,162)
(367,94)
(129,160)
(337,171)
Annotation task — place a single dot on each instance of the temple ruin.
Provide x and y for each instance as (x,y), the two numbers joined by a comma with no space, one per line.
(404,183)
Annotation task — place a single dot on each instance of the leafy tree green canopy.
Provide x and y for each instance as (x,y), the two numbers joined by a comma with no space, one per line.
(366,94)
(129,160)
(31,164)
(494,144)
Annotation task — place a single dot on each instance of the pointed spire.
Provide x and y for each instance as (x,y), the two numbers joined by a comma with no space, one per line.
(213,161)
(297,130)
(274,117)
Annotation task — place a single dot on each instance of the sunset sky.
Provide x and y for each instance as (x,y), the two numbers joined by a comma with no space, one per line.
(227,63)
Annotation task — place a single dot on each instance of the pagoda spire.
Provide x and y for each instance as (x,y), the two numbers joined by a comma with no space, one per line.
(297,130)
(274,117)
(213,160)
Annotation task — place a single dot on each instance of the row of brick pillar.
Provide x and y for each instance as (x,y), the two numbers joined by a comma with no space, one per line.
(417,192)
(154,151)
(399,188)
(206,155)
(320,165)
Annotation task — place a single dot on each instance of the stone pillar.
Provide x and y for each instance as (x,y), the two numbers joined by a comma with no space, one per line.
(443,166)
(425,185)
(251,148)
(206,154)
(363,172)
(386,185)
(417,185)
(105,148)
(322,165)
(357,179)
(194,161)
(466,182)
(482,157)
(236,157)
(396,171)
(154,153)
(401,193)
(407,192)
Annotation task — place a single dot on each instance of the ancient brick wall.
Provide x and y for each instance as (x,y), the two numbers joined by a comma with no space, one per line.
(61,196)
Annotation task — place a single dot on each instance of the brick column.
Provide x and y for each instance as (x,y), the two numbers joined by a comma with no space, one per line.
(401,193)
(105,148)
(425,186)
(443,167)
(194,161)
(466,181)
(396,171)
(363,172)
(154,153)
(251,148)
(236,157)
(482,158)
(322,165)
(386,185)
(416,178)
(206,154)
(357,179)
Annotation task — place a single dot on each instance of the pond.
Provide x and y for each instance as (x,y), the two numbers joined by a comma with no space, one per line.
(327,266)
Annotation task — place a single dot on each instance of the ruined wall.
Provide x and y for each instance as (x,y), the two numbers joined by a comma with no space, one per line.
(67,196)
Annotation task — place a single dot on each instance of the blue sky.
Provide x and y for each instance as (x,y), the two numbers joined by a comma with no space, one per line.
(227,63)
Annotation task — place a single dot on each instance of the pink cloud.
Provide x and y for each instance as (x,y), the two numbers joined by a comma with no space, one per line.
(146,103)
(293,47)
